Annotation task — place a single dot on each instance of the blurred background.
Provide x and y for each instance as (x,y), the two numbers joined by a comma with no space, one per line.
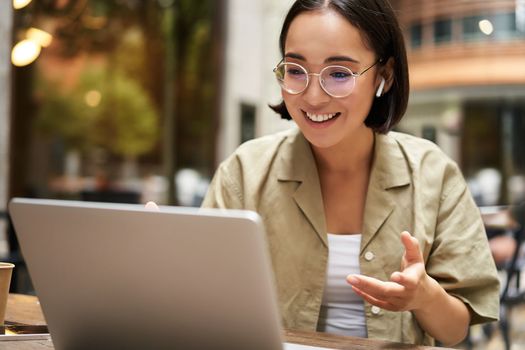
(135,100)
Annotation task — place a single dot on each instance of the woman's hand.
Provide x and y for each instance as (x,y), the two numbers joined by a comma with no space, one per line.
(152,206)
(409,289)
(441,315)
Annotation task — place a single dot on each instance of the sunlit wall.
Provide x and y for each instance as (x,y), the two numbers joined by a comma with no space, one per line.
(252,52)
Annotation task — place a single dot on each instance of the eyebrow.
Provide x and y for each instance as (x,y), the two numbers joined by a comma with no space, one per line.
(328,60)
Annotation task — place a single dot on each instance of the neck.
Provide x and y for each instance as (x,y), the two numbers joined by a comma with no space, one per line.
(350,156)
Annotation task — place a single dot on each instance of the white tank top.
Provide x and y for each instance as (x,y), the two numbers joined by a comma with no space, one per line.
(342,311)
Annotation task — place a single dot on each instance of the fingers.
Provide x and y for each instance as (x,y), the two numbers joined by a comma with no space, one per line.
(397,277)
(412,251)
(412,264)
(386,295)
(409,277)
(401,291)
(376,288)
(374,301)
(152,206)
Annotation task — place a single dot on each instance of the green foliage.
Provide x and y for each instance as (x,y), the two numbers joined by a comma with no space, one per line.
(63,116)
(124,122)
(197,73)
(131,39)
(130,54)
(127,124)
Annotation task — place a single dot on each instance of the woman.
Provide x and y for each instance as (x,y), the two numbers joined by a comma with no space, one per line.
(372,233)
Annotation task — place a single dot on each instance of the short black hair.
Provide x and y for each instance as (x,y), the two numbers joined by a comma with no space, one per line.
(380,29)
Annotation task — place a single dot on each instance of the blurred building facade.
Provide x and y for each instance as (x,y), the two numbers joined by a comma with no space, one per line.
(251,52)
(467,76)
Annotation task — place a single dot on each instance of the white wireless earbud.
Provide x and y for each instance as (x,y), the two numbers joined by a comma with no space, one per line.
(380,88)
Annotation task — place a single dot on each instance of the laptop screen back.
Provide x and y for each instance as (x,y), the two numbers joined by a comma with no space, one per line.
(120,276)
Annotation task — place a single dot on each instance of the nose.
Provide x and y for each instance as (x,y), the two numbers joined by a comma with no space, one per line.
(314,94)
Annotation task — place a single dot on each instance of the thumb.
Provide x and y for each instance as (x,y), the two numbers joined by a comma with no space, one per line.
(412,252)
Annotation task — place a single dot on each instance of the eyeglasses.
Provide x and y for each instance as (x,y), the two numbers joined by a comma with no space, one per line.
(336,81)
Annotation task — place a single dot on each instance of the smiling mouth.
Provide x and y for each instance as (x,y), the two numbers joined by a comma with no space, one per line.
(321,118)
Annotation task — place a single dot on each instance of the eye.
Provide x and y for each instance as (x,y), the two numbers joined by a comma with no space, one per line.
(340,75)
(294,71)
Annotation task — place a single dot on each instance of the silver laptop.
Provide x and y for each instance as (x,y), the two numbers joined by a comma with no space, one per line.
(118,276)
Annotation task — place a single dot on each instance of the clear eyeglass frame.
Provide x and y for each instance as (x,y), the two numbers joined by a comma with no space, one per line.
(280,77)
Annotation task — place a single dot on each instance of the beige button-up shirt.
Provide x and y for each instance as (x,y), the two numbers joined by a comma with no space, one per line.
(413,186)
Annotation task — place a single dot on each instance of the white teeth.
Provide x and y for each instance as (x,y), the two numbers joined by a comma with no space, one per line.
(320,117)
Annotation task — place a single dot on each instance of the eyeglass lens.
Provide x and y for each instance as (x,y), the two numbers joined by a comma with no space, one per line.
(336,81)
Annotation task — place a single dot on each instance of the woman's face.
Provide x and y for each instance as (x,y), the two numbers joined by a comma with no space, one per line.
(317,39)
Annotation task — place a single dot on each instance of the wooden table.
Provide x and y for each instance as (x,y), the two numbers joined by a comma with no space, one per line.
(24,311)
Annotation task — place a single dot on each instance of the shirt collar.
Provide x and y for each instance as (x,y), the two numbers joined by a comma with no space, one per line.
(389,168)
(296,161)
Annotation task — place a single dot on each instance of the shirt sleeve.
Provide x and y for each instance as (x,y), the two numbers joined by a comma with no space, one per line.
(460,259)
(224,190)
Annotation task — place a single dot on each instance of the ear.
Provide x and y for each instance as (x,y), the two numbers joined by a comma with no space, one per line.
(385,77)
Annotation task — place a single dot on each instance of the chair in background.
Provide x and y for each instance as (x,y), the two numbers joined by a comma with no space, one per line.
(505,229)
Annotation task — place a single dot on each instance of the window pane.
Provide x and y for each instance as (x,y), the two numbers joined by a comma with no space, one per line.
(416,35)
(443,31)
(471,31)
(505,26)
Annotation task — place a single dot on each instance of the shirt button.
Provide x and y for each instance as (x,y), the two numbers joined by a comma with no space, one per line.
(369,256)
(375,310)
